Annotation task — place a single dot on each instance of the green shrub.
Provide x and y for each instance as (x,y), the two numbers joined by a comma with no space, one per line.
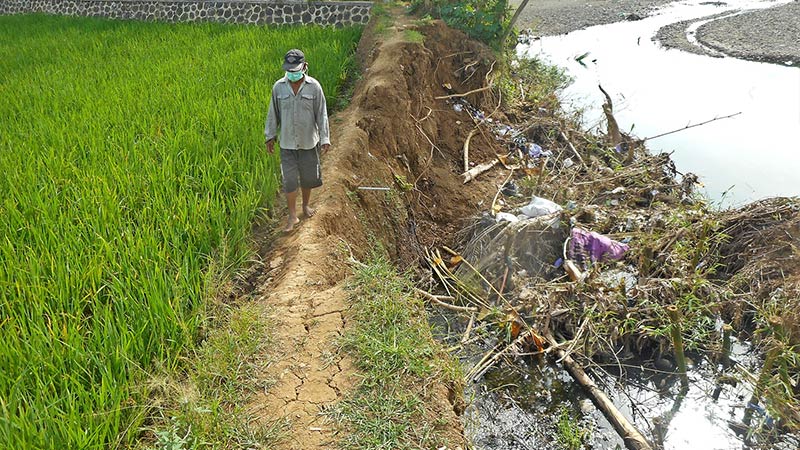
(484,20)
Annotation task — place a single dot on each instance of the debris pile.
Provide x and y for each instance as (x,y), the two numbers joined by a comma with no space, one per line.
(599,251)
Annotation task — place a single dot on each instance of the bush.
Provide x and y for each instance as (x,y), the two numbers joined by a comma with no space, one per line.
(484,20)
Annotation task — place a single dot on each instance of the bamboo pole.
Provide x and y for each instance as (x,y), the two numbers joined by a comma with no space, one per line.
(776,326)
(677,342)
(514,20)
(633,439)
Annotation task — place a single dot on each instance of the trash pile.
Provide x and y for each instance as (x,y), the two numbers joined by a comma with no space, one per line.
(615,258)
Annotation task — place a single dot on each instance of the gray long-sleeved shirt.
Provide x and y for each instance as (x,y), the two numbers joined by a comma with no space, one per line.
(303,118)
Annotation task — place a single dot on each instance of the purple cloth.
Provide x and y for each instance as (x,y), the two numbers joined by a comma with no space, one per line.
(595,246)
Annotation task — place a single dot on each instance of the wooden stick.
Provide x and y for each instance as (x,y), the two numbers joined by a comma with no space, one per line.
(474,91)
(633,439)
(496,195)
(572,147)
(691,126)
(469,328)
(471,174)
(466,149)
(435,299)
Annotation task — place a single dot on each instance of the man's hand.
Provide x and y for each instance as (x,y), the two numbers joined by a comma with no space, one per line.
(271,146)
(325,148)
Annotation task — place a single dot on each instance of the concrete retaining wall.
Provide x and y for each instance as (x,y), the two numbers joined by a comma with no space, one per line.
(231,11)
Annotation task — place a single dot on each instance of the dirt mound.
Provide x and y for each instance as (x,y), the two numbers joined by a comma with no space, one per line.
(395,135)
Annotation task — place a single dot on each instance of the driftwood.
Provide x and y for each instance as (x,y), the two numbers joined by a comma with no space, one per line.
(634,440)
(613,127)
(471,174)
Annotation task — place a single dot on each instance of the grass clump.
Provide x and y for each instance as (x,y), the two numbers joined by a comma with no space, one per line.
(133,168)
(570,434)
(413,36)
(391,342)
(203,406)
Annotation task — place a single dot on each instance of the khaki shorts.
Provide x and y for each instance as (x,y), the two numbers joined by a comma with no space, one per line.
(300,168)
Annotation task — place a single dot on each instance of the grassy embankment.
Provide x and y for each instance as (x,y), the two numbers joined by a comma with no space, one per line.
(133,167)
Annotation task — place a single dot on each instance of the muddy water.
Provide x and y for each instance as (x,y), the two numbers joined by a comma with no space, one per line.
(518,405)
(655,90)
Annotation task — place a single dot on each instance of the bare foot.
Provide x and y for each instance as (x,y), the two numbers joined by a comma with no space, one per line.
(290,224)
(308,212)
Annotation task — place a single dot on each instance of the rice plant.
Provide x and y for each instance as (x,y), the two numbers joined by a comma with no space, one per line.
(133,166)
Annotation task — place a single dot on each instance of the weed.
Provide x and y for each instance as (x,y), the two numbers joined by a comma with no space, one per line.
(532,83)
(570,433)
(413,36)
(205,407)
(485,20)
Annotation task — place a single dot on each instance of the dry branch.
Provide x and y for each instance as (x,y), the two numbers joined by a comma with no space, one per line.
(466,148)
(572,147)
(471,174)
(691,126)
(437,299)
(474,91)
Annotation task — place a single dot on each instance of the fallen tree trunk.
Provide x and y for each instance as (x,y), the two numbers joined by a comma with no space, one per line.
(634,440)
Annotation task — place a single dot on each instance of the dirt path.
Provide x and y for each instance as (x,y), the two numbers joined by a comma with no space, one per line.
(386,135)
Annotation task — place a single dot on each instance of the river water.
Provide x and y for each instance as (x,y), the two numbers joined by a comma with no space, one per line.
(748,157)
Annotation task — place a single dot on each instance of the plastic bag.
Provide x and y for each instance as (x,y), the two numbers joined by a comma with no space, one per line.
(594,246)
(540,207)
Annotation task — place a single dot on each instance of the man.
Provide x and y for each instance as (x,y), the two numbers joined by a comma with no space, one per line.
(297,106)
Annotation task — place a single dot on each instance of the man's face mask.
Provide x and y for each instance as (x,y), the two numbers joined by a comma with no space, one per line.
(294,76)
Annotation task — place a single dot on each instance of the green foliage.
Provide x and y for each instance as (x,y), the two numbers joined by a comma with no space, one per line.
(413,36)
(133,167)
(531,83)
(570,434)
(484,20)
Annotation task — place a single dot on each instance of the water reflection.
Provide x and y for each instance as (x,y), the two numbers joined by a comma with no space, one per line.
(748,157)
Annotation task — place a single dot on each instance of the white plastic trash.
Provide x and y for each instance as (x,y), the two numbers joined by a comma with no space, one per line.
(540,207)
(505,217)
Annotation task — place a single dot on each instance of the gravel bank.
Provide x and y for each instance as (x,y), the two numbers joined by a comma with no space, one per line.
(549,17)
(674,36)
(771,35)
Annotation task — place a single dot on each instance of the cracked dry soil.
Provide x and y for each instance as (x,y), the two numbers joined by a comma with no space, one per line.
(394,129)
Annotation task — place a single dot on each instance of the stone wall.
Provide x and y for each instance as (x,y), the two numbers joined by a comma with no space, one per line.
(258,12)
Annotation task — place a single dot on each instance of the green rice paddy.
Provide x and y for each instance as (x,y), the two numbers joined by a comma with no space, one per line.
(133,167)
